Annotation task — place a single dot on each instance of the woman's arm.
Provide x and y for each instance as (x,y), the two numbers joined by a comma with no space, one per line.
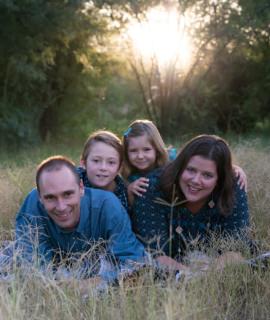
(237,222)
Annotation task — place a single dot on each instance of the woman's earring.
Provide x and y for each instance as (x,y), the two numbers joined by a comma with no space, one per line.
(211,203)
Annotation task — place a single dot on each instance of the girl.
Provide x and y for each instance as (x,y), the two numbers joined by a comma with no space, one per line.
(144,151)
(144,154)
(101,161)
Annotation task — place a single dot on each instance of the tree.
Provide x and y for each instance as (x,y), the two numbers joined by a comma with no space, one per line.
(46,47)
(224,88)
(51,51)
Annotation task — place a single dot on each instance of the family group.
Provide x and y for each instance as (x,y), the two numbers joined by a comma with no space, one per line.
(129,205)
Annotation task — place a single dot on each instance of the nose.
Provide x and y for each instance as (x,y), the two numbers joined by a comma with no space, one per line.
(61,205)
(140,154)
(103,165)
(196,178)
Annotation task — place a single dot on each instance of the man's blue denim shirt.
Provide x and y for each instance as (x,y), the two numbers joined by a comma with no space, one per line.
(102,218)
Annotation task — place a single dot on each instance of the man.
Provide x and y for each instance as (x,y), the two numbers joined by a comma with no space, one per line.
(63,220)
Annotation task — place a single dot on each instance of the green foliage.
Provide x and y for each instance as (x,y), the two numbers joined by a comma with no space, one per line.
(59,77)
(121,104)
(47,49)
(232,81)
(226,88)
(55,61)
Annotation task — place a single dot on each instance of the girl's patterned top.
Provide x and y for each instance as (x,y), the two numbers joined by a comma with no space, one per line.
(120,189)
(149,222)
(153,221)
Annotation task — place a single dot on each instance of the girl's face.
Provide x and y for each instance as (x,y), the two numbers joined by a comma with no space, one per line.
(141,154)
(198,180)
(102,166)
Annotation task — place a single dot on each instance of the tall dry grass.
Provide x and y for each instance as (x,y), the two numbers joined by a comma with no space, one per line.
(254,157)
(237,292)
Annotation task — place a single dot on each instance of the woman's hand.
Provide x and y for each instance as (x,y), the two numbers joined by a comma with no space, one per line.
(170,263)
(241,176)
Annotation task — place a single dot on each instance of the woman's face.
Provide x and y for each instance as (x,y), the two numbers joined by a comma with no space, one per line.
(198,180)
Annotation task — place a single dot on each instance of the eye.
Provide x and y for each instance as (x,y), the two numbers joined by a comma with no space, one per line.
(68,193)
(132,150)
(112,162)
(190,169)
(49,197)
(208,175)
(147,149)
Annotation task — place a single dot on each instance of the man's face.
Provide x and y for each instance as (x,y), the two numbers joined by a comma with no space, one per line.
(60,194)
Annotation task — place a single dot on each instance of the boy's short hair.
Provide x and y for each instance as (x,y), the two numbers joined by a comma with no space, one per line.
(107,137)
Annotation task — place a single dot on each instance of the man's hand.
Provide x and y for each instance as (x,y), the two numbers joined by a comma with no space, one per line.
(84,286)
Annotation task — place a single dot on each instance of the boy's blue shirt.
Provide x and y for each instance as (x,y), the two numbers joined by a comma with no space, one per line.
(102,218)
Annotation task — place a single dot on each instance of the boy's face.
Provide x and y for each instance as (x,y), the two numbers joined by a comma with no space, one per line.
(102,166)
(60,194)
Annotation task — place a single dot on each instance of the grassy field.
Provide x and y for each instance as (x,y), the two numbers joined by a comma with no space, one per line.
(235,293)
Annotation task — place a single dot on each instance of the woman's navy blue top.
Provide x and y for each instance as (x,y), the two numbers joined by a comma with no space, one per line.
(172,230)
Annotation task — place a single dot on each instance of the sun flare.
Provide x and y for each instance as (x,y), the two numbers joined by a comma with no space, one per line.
(162,36)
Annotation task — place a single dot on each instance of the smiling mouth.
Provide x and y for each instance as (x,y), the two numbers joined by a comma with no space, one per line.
(194,189)
(62,216)
(101,176)
(142,163)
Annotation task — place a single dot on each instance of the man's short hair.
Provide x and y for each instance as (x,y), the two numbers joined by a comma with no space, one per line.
(55,163)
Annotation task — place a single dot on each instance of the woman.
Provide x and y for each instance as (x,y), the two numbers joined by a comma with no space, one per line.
(201,196)
(203,177)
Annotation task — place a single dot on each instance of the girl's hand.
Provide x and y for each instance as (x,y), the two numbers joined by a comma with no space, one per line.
(138,187)
(242,177)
